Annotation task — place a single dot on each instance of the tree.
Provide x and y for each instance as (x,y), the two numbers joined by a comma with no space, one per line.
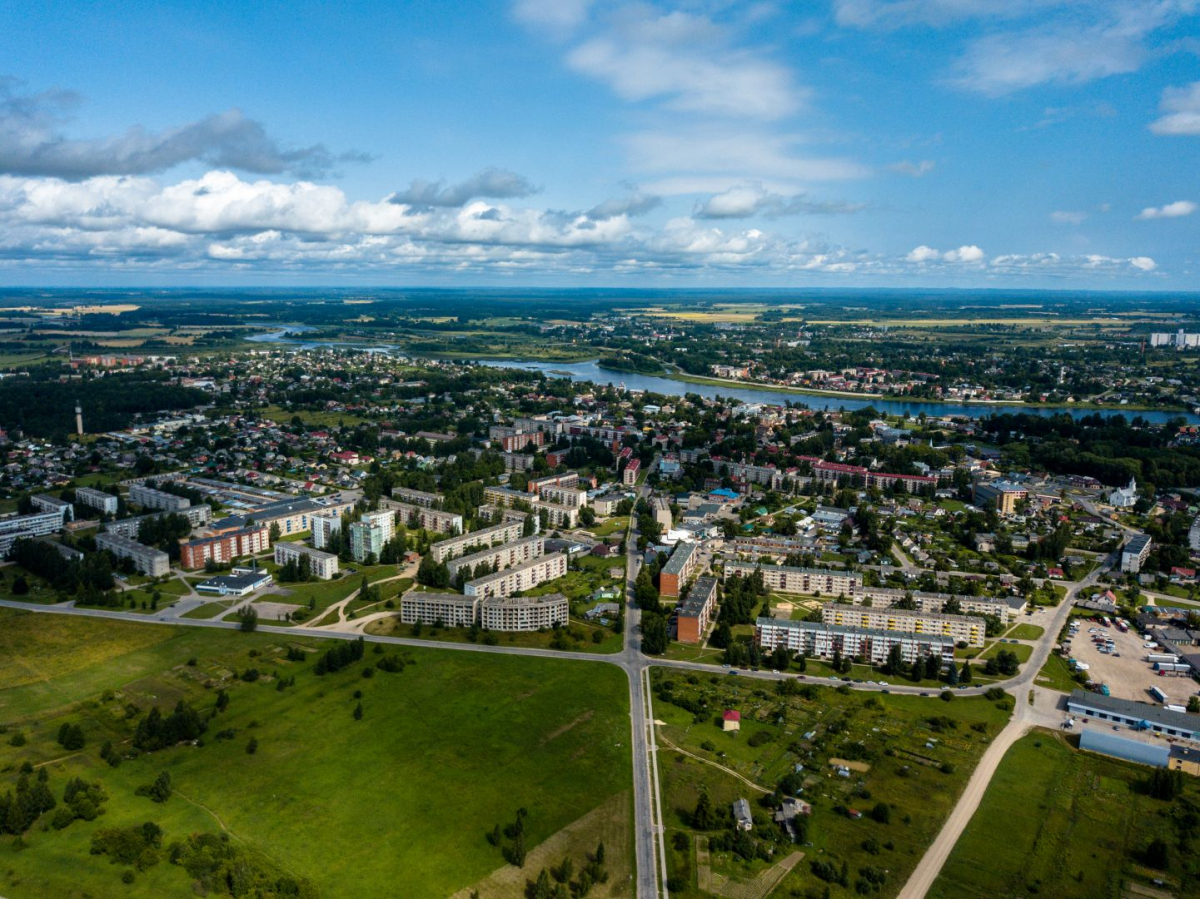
(654,634)
(722,637)
(1157,855)
(358,712)
(252,746)
(274,533)
(964,675)
(895,660)
(703,817)
(247,619)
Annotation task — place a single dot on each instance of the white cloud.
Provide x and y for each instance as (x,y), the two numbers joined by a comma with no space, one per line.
(1068,217)
(890,14)
(750,199)
(922,254)
(1181,106)
(1143,263)
(966,253)
(1175,210)
(686,61)
(32,143)
(493,183)
(1081,43)
(918,169)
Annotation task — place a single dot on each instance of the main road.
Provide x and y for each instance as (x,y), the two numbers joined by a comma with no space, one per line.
(649,843)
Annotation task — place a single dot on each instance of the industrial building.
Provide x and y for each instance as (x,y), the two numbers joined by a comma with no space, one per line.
(1140,716)
(242,582)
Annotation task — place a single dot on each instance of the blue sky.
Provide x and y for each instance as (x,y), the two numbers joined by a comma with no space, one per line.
(1025,143)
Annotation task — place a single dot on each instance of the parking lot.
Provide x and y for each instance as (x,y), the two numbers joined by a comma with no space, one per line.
(1125,669)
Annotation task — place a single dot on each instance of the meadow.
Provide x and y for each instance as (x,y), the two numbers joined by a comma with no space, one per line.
(908,753)
(1058,822)
(398,802)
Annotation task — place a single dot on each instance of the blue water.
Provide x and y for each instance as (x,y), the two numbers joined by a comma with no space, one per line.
(590,371)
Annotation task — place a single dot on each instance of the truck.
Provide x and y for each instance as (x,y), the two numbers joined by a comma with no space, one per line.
(1122,626)
(1080,666)
(1103,690)
(1161,657)
(1158,694)
(1162,667)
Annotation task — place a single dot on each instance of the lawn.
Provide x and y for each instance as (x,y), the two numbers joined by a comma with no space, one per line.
(577,637)
(1058,822)
(397,803)
(911,753)
(1021,650)
(208,610)
(1056,674)
(322,594)
(1026,632)
(617,525)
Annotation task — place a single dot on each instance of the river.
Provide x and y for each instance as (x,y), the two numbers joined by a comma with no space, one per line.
(591,371)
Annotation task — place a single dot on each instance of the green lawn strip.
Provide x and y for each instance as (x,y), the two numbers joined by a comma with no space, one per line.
(1058,822)
(507,732)
(1026,632)
(579,634)
(1021,650)
(1056,674)
(209,610)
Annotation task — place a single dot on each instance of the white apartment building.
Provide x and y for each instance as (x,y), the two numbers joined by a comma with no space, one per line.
(444,550)
(323,528)
(809,581)
(146,559)
(504,556)
(520,577)
(963,628)
(97,499)
(322,565)
(816,638)
(149,498)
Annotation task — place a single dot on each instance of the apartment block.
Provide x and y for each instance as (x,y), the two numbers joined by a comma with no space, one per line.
(697,611)
(102,502)
(661,510)
(323,528)
(559,516)
(816,638)
(630,475)
(1003,496)
(417,497)
(225,547)
(518,461)
(366,540)
(808,581)
(430,519)
(17,527)
(563,496)
(499,557)
(149,498)
(323,566)
(525,576)
(44,502)
(524,613)
(962,628)
(678,569)
(509,498)
(385,519)
(1002,607)
(197,516)
(566,479)
(146,559)
(451,609)
(1135,552)
(444,550)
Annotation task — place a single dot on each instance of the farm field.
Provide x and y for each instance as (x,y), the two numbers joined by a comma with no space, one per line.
(907,759)
(311,803)
(1059,822)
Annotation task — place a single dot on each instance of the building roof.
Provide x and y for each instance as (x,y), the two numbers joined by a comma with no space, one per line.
(848,629)
(235,582)
(679,558)
(702,592)
(1130,709)
(732,715)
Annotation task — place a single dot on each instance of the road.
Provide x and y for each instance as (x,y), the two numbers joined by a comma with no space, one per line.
(649,841)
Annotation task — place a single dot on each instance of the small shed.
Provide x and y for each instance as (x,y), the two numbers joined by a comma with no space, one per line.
(731,721)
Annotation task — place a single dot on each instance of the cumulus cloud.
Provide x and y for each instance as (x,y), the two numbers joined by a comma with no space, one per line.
(1061,266)
(968,253)
(492,183)
(746,200)
(558,16)
(688,62)
(918,169)
(1068,217)
(1175,210)
(32,142)
(1181,108)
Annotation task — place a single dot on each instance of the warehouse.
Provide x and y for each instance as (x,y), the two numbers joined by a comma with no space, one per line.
(1137,715)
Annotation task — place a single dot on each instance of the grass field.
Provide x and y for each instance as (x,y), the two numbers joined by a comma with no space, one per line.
(1026,632)
(395,804)
(1062,823)
(1021,650)
(1056,675)
(578,636)
(913,754)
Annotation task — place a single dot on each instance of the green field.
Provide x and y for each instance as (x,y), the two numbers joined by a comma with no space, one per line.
(1056,674)
(578,636)
(397,803)
(1026,632)
(914,754)
(1063,823)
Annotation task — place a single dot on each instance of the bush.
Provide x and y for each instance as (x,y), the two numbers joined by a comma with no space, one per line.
(946,696)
